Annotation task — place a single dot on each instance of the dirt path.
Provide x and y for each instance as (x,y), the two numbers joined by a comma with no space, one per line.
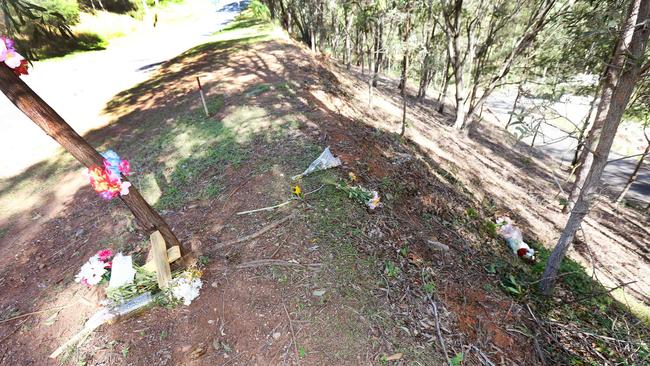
(79,86)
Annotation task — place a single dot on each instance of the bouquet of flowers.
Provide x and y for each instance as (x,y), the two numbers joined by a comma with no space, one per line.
(107,180)
(359,193)
(96,270)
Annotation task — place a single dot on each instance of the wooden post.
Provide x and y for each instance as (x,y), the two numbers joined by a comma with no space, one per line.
(54,126)
(159,254)
(205,106)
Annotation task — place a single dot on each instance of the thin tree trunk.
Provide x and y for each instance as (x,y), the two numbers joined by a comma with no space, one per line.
(633,176)
(585,126)
(348,23)
(406,63)
(443,93)
(514,106)
(618,62)
(617,89)
(54,126)
(378,50)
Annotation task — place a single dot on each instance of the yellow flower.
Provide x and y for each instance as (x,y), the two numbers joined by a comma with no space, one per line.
(353,177)
(296,190)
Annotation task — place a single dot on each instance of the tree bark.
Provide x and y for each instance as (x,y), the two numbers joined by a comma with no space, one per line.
(443,93)
(348,23)
(612,72)
(54,126)
(617,89)
(379,52)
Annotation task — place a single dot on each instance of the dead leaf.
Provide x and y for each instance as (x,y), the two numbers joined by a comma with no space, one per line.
(394,357)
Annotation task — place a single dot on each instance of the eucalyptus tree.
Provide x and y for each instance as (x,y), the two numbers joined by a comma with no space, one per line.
(484,40)
(623,72)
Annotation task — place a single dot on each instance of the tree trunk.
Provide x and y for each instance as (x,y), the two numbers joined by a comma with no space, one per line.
(633,176)
(54,126)
(443,93)
(617,89)
(584,127)
(379,52)
(514,106)
(406,64)
(612,71)
(348,23)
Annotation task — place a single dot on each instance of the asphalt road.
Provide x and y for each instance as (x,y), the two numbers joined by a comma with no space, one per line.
(553,141)
(78,87)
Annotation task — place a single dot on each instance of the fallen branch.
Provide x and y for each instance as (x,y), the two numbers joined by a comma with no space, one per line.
(37,312)
(294,199)
(442,342)
(252,236)
(268,208)
(277,262)
(293,334)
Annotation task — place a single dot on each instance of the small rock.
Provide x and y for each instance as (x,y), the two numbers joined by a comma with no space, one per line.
(276,335)
(214,284)
(210,321)
(318,293)
(436,245)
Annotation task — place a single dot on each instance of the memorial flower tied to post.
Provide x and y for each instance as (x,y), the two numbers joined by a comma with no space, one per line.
(11,58)
(96,270)
(107,180)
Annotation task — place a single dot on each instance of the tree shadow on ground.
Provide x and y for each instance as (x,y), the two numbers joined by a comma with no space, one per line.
(266,124)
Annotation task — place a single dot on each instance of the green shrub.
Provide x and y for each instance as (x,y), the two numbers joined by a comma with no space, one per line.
(67,9)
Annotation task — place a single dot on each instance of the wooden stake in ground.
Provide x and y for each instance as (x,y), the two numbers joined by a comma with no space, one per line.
(205,106)
(49,121)
(159,254)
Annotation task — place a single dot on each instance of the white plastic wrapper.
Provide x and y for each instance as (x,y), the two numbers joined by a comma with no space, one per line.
(325,161)
(512,235)
(122,271)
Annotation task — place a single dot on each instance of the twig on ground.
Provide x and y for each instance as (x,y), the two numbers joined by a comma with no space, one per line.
(268,208)
(293,335)
(294,199)
(442,342)
(277,262)
(251,236)
(37,312)
(13,331)
(485,360)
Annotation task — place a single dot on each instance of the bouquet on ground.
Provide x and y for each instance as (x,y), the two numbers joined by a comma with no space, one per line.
(97,269)
(359,193)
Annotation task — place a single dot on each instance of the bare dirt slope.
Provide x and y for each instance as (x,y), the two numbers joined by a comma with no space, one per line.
(333,283)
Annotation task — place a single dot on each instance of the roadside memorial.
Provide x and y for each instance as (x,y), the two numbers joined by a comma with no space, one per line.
(512,235)
(129,288)
(12,65)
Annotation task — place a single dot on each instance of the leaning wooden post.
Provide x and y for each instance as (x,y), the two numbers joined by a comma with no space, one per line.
(205,106)
(54,126)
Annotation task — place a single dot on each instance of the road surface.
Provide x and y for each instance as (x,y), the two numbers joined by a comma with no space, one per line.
(78,87)
(554,143)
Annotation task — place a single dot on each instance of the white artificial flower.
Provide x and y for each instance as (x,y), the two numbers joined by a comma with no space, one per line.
(3,50)
(186,289)
(374,202)
(124,188)
(13,59)
(91,272)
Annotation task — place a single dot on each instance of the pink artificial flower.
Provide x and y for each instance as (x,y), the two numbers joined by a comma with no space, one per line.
(84,281)
(104,255)
(125,167)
